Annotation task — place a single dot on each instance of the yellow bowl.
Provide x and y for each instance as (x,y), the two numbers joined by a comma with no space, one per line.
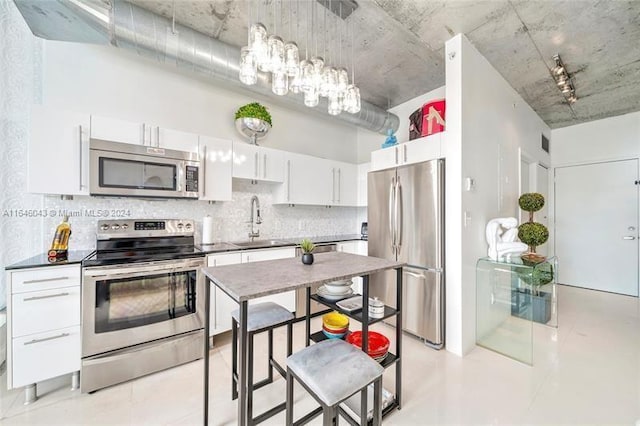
(335,321)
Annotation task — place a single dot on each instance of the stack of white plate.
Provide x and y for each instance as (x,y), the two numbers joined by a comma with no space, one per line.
(335,290)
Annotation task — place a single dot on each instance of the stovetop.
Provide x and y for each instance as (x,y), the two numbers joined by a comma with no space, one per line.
(102,258)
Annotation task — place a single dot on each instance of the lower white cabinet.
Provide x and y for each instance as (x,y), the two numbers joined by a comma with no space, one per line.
(222,305)
(354,247)
(43,318)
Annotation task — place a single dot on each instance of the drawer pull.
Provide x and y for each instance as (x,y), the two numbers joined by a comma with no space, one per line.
(28,299)
(47,338)
(46,280)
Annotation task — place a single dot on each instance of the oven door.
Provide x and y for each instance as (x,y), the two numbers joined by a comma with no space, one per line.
(125,305)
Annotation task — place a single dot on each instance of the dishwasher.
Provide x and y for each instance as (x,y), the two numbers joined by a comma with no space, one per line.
(301,293)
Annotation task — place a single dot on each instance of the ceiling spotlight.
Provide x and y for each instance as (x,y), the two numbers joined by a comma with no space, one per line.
(563,79)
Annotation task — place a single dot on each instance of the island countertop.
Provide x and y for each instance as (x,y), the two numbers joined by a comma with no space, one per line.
(247,281)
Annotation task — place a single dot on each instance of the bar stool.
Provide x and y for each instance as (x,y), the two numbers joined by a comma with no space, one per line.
(261,317)
(332,371)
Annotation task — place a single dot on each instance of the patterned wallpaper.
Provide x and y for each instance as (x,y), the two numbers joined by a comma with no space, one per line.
(22,237)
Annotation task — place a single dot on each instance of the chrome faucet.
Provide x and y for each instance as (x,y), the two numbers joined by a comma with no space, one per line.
(258,220)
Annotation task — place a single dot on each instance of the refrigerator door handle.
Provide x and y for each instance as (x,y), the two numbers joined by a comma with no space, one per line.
(398,215)
(413,274)
(392,234)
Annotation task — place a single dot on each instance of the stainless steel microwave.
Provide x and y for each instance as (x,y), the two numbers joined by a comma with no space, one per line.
(128,170)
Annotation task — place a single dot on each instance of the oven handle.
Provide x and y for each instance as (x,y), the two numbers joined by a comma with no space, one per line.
(130,270)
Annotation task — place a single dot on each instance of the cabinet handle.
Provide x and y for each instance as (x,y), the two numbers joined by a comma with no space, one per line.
(204,172)
(396,155)
(157,136)
(333,187)
(144,134)
(255,164)
(29,299)
(264,169)
(80,140)
(215,262)
(339,183)
(47,338)
(45,280)
(404,147)
(288,180)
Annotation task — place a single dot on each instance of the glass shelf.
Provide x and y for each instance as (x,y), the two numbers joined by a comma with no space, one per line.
(512,295)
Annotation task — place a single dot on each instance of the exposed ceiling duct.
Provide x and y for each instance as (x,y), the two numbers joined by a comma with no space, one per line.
(128,26)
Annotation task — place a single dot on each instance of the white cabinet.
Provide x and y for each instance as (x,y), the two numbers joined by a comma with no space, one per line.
(363,172)
(222,305)
(137,133)
(308,180)
(43,333)
(58,152)
(257,163)
(345,184)
(215,168)
(415,151)
(117,130)
(354,247)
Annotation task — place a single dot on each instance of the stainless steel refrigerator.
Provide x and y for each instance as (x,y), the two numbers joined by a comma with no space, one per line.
(406,223)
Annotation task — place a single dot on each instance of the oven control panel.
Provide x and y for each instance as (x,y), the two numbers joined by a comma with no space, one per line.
(108,229)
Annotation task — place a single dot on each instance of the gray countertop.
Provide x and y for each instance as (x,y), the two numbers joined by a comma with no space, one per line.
(74,256)
(256,279)
(283,242)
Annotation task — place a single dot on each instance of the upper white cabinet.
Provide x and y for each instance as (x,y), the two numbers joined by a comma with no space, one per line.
(257,163)
(363,173)
(215,168)
(415,151)
(116,130)
(58,159)
(315,181)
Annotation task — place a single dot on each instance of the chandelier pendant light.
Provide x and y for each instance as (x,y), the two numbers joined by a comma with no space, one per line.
(314,76)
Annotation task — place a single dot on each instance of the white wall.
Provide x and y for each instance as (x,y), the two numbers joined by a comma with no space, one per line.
(611,138)
(488,124)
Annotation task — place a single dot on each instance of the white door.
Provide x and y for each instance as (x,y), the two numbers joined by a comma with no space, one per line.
(245,161)
(221,304)
(116,130)
(215,168)
(542,216)
(596,226)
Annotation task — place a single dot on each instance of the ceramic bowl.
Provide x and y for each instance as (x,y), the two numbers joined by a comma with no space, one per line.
(335,321)
(338,287)
(378,343)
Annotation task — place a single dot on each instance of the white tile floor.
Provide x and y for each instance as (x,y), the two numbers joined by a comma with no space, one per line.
(585,372)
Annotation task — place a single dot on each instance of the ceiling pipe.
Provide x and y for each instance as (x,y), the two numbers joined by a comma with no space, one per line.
(131,27)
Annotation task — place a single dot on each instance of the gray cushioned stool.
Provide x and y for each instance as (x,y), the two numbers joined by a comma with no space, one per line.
(261,317)
(332,371)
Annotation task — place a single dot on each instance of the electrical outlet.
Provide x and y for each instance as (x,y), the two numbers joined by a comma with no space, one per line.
(467,219)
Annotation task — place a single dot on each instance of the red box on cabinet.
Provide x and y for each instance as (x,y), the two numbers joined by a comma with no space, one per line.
(428,119)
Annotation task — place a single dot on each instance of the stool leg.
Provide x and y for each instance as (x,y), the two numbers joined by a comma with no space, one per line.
(270,358)
(250,379)
(289,403)
(377,402)
(234,359)
(289,338)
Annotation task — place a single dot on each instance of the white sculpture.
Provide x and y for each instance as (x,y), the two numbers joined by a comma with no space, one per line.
(502,234)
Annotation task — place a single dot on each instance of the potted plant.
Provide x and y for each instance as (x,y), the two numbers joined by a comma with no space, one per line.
(253,120)
(307,251)
(532,233)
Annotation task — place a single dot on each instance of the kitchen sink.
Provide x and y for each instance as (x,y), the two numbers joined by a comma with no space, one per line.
(261,243)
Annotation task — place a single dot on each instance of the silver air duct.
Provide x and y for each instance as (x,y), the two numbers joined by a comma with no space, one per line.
(129,26)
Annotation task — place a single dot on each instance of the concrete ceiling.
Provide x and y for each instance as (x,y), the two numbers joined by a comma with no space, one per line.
(399,45)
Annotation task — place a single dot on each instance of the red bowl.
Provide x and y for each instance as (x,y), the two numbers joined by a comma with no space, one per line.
(335,330)
(378,343)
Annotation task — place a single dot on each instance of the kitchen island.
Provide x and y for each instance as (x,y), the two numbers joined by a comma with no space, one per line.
(244,282)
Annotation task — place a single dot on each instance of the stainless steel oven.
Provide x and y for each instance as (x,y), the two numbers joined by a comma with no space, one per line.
(142,301)
(128,170)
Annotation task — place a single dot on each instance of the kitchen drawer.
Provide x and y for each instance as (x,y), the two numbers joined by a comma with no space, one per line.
(45,355)
(45,278)
(39,311)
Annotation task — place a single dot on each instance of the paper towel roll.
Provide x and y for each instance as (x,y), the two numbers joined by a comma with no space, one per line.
(207,230)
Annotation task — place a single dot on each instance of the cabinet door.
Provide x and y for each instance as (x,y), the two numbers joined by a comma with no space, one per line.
(288,299)
(175,139)
(41,356)
(221,304)
(271,165)
(116,130)
(309,180)
(363,171)
(419,150)
(215,168)
(39,311)
(345,181)
(245,161)
(58,152)
(385,158)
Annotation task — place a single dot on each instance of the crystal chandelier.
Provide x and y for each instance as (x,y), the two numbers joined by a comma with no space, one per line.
(312,77)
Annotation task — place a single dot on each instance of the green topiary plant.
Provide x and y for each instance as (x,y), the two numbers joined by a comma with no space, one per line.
(532,233)
(254,110)
(531,202)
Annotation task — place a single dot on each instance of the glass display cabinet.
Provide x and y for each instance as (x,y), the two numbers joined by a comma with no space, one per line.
(512,295)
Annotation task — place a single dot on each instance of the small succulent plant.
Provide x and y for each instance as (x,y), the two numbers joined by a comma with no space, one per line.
(307,246)
(254,110)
